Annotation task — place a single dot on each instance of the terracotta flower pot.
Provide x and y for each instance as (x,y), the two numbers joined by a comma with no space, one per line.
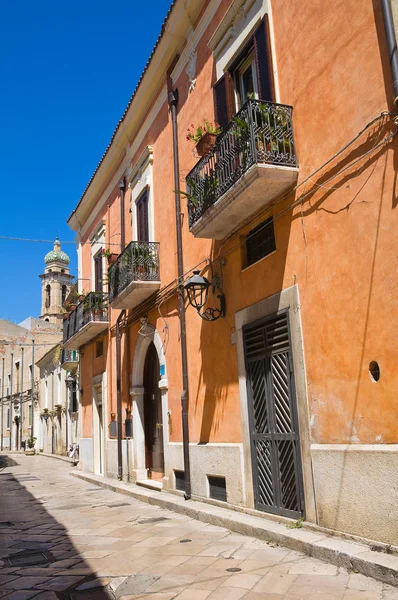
(30,452)
(206,143)
(112,258)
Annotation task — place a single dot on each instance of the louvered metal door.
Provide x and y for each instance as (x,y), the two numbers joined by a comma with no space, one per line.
(273,417)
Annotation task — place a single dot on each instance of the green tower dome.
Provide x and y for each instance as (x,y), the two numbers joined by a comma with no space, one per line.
(56,255)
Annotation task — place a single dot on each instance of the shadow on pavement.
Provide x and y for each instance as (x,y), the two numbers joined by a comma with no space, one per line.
(37,558)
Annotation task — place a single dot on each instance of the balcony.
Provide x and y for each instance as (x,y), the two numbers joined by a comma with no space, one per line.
(89,319)
(252,164)
(69,359)
(135,275)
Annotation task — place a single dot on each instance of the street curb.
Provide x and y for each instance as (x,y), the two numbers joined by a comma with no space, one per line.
(58,457)
(353,556)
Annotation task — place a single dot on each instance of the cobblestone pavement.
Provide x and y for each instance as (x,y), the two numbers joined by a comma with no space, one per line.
(62,538)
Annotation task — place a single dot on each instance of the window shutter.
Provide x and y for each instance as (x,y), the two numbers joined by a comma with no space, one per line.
(98,272)
(263,60)
(221,102)
(142,219)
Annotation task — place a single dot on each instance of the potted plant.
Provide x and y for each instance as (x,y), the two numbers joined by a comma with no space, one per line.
(110,256)
(204,136)
(30,442)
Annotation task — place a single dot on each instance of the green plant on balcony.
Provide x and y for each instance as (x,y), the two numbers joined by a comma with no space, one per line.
(204,194)
(277,120)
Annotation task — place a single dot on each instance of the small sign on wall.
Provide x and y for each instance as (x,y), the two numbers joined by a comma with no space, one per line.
(113,429)
(162,370)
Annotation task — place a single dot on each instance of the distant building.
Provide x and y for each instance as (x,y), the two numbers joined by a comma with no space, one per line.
(32,383)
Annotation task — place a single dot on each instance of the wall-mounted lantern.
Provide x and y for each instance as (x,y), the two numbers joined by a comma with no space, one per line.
(197,288)
(70,382)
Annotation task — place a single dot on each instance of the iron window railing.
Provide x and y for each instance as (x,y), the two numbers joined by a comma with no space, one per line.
(94,307)
(260,133)
(139,261)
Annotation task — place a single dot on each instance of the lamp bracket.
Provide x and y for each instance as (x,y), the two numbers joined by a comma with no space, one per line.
(212,314)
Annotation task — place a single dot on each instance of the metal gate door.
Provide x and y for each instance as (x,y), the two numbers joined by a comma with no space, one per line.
(273,417)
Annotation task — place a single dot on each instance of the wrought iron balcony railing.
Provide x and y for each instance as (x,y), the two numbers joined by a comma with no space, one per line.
(260,133)
(139,261)
(93,308)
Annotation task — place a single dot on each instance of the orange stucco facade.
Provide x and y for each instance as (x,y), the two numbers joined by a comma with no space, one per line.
(335,236)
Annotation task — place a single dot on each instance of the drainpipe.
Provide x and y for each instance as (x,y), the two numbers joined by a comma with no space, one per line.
(173,100)
(391,44)
(122,188)
(119,398)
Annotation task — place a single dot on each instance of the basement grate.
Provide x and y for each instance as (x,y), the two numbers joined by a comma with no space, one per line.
(153,520)
(28,559)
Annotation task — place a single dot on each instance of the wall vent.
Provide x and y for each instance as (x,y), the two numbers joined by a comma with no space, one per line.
(179,480)
(217,488)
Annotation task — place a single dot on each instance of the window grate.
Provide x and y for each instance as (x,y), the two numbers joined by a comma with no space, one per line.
(179,480)
(260,241)
(217,488)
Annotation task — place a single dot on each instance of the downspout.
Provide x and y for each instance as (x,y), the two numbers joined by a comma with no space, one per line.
(119,398)
(391,44)
(173,100)
(122,187)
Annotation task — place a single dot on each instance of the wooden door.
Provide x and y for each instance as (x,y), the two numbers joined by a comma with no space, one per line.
(153,415)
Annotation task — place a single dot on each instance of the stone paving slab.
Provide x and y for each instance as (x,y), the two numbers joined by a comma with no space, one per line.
(139,550)
(339,551)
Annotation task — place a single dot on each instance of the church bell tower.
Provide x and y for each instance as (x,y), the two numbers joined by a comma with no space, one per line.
(56,282)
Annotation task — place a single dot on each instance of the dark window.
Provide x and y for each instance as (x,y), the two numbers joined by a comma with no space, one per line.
(180,480)
(99,349)
(217,488)
(63,294)
(73,398)
(260,241)
(248,76)
(98,271)
(142,218)
(48,296)
(17,372)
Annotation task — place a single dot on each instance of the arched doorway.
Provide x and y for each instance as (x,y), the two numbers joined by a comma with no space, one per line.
(153,418)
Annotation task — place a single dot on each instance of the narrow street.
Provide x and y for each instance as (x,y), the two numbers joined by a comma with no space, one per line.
(62,538)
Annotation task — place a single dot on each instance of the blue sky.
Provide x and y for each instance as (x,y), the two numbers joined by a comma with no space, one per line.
(67,71)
